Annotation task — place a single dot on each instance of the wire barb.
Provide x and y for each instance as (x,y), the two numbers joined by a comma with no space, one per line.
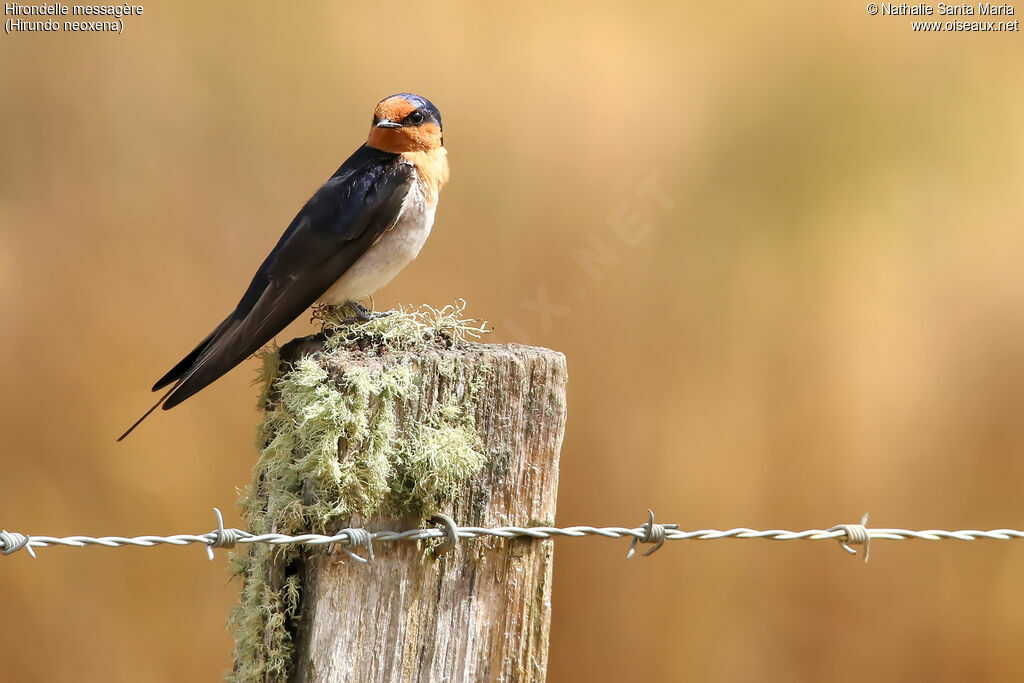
(652,533)
(12,542)
(357,538)
(855,534)
(221,537)
(451,533)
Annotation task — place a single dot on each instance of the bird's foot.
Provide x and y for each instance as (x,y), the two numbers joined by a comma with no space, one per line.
(363,314)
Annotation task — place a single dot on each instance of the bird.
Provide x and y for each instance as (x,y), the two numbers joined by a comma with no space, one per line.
(353,236)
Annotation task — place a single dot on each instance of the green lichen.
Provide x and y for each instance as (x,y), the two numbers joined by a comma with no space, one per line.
(402,328)
(343,435)
(263,646)
(442,451)
(270,361)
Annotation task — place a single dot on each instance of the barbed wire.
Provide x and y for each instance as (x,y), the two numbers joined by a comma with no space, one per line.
(350,539)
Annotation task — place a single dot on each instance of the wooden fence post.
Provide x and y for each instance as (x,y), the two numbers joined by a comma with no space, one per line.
(466,429)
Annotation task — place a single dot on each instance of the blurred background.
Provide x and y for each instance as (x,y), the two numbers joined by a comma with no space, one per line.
(779,244)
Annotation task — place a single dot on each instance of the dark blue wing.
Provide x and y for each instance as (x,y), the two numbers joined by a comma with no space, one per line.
(336,226)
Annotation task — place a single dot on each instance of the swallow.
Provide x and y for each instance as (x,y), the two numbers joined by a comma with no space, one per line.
(366,223)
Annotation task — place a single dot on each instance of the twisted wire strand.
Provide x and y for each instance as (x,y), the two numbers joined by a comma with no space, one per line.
(649,533)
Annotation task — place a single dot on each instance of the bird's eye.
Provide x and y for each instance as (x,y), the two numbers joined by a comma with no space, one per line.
(415,118)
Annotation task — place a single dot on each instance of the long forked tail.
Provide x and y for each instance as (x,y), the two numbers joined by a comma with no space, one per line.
(147,413)
(178,374)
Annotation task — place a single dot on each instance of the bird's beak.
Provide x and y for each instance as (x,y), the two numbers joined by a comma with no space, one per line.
(387,123)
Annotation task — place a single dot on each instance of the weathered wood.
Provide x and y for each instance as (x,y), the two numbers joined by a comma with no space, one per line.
(481,611)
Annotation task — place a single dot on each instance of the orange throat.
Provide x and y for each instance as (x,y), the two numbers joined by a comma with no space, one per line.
(405,139)
(432,168)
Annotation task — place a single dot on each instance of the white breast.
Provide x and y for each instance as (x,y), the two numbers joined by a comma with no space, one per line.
(389,254)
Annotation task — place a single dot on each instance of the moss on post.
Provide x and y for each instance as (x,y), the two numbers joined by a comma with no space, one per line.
(376,421)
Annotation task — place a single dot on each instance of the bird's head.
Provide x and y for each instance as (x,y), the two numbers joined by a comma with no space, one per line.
(406,123)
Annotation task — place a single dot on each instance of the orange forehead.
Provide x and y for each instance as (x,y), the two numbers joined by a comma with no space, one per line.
(394,108)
